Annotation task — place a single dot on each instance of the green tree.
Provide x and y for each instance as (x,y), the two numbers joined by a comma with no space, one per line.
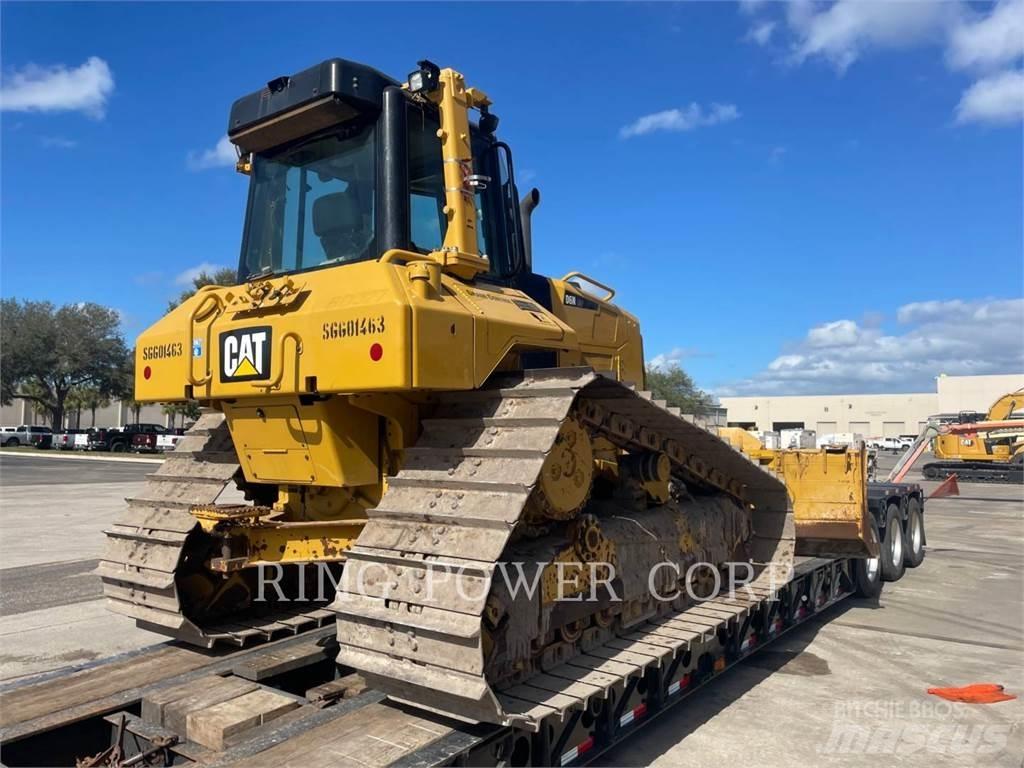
(135,407)
(46,352)
(92,399)
(39,399)
(73,406)
(224,276)
(675,386)
(189,409)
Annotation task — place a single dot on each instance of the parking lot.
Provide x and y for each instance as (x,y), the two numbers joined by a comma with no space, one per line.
(51,534)
(846,689)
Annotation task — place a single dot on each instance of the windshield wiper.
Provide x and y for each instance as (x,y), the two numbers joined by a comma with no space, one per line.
(262,272)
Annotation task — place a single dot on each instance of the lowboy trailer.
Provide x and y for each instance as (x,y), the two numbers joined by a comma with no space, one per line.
(288,703)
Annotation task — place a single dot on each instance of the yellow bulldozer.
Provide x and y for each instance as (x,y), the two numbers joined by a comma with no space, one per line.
(397,394)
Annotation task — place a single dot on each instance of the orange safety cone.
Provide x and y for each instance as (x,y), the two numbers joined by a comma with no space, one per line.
(978,693)
(948,487)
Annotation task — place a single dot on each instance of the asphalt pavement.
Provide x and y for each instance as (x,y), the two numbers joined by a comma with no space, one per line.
(51,468)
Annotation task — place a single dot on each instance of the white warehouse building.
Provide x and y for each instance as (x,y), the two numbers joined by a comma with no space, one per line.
(870,415)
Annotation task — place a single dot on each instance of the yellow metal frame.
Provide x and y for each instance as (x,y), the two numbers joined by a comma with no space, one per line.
(828,490)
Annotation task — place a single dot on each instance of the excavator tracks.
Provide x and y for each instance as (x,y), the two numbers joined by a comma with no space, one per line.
(976,471)
(147,545)
(452,510)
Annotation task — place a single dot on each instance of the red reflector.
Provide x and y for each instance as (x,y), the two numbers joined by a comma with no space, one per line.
(147,372)
(586,744)
(376,352)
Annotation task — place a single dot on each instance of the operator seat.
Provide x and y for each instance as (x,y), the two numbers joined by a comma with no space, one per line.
(339,222)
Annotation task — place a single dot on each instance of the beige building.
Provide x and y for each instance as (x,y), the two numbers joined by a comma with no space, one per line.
(117,414)
(870,415)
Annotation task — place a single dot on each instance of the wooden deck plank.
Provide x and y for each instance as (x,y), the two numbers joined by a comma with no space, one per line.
(364,737)
(30,701)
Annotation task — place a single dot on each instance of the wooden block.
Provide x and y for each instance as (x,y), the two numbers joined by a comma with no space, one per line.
(210,726)
(154,703)
(347,687)
(176,713)
(261,666)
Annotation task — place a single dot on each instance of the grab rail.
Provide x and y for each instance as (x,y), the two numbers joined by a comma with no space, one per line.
(275,382)
(218,305)
(592,281)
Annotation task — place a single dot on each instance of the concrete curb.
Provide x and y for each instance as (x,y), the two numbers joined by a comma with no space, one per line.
(80,456)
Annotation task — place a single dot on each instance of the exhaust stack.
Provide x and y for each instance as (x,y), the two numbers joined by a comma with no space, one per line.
(530,201)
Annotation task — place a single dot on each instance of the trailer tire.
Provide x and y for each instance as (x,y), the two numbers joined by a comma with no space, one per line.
(867,572)
(913,535)
(893,545)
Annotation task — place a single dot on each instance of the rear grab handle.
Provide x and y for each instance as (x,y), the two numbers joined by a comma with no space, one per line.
(592,281)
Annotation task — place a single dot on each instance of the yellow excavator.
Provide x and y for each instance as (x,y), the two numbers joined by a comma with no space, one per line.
(399,395)
(985,449)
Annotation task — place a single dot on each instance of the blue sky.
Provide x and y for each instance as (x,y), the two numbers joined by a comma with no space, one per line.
(791,197)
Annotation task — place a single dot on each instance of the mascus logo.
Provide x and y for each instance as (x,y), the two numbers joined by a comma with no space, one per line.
(245,354)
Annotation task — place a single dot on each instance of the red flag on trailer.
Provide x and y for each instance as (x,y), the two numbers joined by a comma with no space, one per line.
(948,487)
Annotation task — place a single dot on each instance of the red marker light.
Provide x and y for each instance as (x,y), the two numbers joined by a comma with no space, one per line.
(147,372)
(376,352)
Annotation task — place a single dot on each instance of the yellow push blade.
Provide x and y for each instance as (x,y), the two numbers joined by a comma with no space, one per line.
(830,506)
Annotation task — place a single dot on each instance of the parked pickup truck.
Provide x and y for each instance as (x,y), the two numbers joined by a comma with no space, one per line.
(156,442)
(25,435)
(891,444)
(72,439)
(120,440)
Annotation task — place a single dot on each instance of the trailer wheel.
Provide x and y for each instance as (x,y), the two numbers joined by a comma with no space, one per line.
(913,535)
(893,545)
(867,572)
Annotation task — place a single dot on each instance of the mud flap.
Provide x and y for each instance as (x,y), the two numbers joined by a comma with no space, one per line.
(828,488)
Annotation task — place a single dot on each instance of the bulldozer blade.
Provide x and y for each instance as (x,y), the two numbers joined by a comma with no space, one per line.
(828,489)
(948,487)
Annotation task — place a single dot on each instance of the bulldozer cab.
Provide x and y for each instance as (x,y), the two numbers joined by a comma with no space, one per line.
(347,164)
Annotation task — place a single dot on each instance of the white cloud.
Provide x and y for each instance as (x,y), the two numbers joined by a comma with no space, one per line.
(761,33)
(57,142)
(59,89)
(674,357)
(221,156)
(989,41)
(995,99)
(752,6)
(685,119)
(842,31)
(190,274)
(956,337)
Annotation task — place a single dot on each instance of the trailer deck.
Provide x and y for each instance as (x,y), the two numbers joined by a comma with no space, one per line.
(287,702)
